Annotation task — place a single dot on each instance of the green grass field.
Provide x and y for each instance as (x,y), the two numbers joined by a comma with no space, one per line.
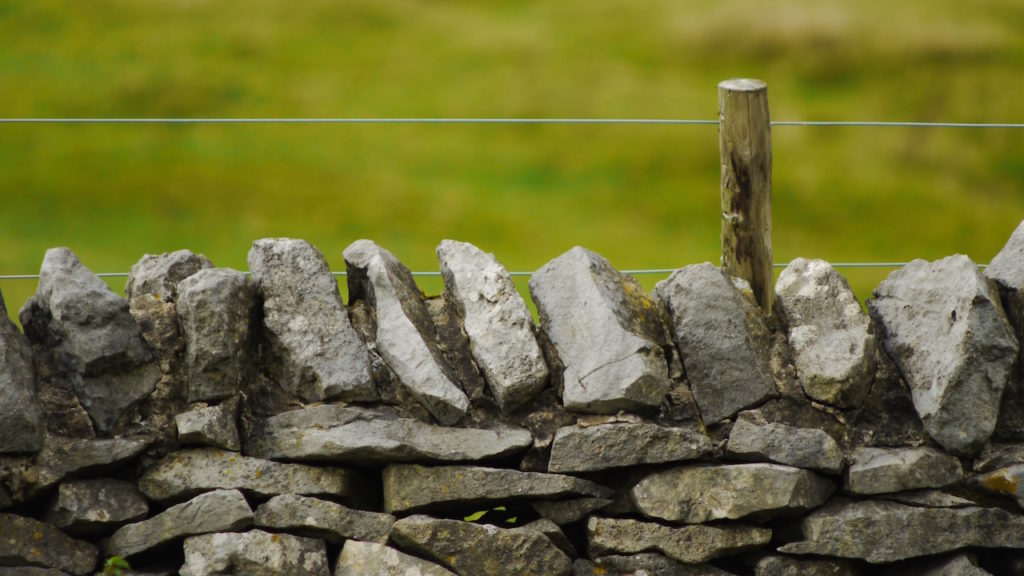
(644,196)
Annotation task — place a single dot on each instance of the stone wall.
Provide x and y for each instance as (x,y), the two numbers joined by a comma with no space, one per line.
(214,422)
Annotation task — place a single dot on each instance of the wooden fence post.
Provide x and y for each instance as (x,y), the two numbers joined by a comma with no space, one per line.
(745,148)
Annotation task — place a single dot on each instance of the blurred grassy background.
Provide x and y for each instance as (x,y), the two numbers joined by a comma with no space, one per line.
(644,196)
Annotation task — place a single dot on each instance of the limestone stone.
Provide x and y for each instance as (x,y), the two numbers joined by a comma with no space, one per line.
(789,566)
(585,449)
(183,474)
(216,511)
(31,571)
(881,470)
(722,339)
(998,456)
(361,558)
(1007,270)
(752,438)
(567,511)
(1007,481)
(323,519)
(646,564)
(831,335)
(412,488)
(688,544)
(21,425)
(95,506)
(158,274)
(702,493)
(943,325)
(63,458)
(957,565)
(360,436)
(881,531)
(928,499)
(405,335)
(210,426)
(497,322)
(471,549)
(318,354)
(216,309)
(608,333)
(29,542)
(254,553)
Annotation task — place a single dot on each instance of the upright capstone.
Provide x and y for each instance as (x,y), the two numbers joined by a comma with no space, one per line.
(21,424)
(722,339)
(943,325)
(608,333)
(497,322)
(318,354)
(405,334)
(158,275)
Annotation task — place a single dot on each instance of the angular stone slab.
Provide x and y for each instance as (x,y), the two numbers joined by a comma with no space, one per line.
(254,552)
(702,493)
(184,474)
(882,470)
(217,511)
(159,274)
(62,458)
(688,544)
(318,353)
(958,565)
(216,310)
(355,435)
(497,322)
(29,542)
(752,438)
(211,426)
(928,499)
(881,531)
(722,338)
(469,549)
(943,325)
(585,449)
(405,334)
(96,505)
(411,488)
(647,563)
(608,334)
(789,566)
(1007,270)
(21,424)
(362,558)
(831,335)
(568,511)
(323,519)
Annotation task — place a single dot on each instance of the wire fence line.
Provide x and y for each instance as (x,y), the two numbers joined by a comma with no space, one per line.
(637,121)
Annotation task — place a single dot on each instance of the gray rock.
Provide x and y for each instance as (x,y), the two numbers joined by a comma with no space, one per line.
(568,511)
(471,549)
(609,335)
(928,499)
(254,553)
(497,322)
(323,519)
(63,458)
(217,511)
(688,544)
(405,335)
(880,531)
(701,493)
(722,338)
(95,506)
(1007,270)
(158,275)
(29,542)
(646,564)
(411,488)
(184,474)
(319,355)
(362,558)
(210,426)
(21,425)
(958,565)
(943,325)
(788,566)
(216,309)
(752,438)
(998,456)
(833,343)
(32,571)
(554,533)
(360,436)
(584,449)
(882,470)
(1008,481)
(94,338)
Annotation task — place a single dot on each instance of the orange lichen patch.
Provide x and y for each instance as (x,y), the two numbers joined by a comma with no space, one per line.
(598,570)
(37,536)
(999,482)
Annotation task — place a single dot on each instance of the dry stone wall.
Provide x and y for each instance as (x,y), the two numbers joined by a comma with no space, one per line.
(216,423)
